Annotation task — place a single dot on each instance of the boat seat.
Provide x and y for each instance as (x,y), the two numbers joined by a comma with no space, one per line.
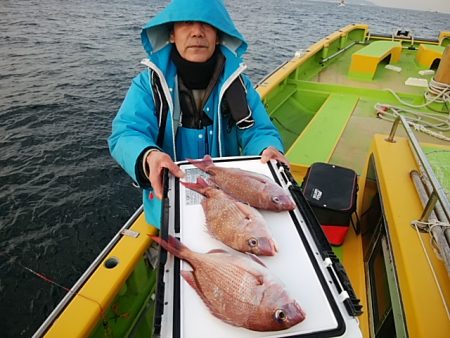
(317,141)
(427,54)
(365,61)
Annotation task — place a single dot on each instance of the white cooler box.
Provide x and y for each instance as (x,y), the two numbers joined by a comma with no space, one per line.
(305,263)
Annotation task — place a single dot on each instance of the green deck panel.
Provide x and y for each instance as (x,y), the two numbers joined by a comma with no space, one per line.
(335,74)
(295,112)
(279,97)
(317,141)
(378,48)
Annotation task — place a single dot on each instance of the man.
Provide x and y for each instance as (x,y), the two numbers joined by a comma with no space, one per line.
(193,100)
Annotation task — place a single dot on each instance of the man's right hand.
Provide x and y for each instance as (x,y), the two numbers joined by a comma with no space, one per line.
(157,161)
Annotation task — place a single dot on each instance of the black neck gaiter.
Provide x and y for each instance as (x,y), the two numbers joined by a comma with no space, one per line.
(195,75)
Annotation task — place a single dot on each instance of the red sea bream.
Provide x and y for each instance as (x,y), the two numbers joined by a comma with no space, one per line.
(236,224)
(255,189)
(237,288)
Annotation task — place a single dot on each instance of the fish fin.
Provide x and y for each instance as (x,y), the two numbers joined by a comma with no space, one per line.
(246,209)
(200,186)
(173,245)
(201,181)
(202,164)
(213,251)
(256,259)
(258,177)
(189,278)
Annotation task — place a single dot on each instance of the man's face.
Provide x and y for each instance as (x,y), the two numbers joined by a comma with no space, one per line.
(195,41)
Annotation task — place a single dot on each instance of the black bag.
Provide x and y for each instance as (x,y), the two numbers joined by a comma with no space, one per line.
(331,191)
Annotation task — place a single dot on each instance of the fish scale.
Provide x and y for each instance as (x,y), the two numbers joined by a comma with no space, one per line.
(231,181)
(235,282)
(236,224)
(228,287)
(237,289)
(221,213)
(249,187)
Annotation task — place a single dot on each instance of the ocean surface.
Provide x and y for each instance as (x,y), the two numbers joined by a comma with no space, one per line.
(65,67)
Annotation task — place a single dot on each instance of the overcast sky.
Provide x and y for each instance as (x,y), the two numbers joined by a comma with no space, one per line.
(424,5)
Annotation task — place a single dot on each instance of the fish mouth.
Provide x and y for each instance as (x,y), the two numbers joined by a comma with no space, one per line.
(298,315)
(293,315)
(285,203)
(266,247)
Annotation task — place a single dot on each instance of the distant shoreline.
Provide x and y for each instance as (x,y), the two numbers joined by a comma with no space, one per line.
(369,3)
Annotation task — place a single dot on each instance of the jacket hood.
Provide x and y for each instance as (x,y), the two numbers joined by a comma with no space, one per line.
(155,34)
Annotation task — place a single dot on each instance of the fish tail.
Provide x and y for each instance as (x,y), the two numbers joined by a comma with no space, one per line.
(173,245)
(200,186)
(203,164)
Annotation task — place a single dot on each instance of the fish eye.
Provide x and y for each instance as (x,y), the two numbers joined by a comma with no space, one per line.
(253,242)
(276,200)
(280,315)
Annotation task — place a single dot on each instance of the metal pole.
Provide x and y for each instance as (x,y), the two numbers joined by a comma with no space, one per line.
(429,208)
(436,231)
(440,214)
(393,130)
(437,188)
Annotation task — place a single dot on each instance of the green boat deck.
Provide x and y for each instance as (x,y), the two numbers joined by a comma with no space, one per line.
(324,94)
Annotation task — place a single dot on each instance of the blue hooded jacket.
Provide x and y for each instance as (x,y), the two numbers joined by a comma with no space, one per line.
(136,126)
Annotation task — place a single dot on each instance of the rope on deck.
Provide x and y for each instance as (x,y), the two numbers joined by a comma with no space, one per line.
(420,121)
(438,92)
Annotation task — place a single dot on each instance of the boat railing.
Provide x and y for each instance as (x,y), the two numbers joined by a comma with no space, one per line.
(340,51)
(86,275)
(433,213)
(398,37)
(437,193)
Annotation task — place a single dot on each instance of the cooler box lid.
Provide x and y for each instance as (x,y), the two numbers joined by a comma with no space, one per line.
(305,263)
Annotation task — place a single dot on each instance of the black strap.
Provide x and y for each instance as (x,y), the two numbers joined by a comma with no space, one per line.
(162,107)
(235,104)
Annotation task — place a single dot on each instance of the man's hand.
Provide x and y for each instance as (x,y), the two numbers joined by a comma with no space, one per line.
(271,153)
(157,161)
